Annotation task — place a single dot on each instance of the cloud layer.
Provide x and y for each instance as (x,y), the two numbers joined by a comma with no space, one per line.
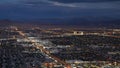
(36,9)
(79,1)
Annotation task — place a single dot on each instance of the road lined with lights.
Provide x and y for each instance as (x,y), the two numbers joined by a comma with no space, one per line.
(40,46)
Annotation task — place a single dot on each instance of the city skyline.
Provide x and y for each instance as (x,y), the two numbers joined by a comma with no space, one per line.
(59,33)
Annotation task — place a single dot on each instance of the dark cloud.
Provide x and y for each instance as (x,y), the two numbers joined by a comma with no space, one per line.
(87,4)
(37,9)
(32,2)
(78,1)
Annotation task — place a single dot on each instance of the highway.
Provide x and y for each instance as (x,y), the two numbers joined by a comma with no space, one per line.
(38,46)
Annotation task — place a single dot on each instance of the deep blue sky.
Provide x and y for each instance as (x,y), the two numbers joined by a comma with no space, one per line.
(67,9)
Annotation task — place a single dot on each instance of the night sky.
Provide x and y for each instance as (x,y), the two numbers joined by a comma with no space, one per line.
(60,9)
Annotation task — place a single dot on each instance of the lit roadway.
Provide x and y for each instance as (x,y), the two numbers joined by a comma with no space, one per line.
(42,49)
(112,36)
